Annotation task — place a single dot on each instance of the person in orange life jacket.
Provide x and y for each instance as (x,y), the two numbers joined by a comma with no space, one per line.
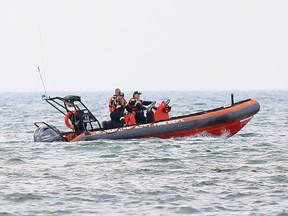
(114,97)
(138,106)
(118,106)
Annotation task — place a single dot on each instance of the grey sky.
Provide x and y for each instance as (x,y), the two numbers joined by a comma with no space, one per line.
(144,45)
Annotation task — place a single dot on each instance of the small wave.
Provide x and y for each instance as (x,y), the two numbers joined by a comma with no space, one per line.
(280,179)
(166,146)
(109,156)
(15,160)
(248,134)
(21,197)
(163,160)
(204,183)
(207,136)
(103,197)
(6,214)
(54,176)
(219,170)
(187,210)
(257,161)
(93,142)
(237,195)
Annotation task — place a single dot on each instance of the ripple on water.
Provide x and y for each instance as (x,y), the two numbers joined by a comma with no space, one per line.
(23,197)
(15,160)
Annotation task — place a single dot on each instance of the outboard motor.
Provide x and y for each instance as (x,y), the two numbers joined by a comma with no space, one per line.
(47,133)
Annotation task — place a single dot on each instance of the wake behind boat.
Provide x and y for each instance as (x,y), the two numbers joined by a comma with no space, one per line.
(86,127)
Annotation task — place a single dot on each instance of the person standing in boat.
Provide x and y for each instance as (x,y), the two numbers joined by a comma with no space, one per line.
(138,106)
(117,107)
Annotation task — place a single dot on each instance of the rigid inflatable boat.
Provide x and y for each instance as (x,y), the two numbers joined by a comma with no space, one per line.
(84,126)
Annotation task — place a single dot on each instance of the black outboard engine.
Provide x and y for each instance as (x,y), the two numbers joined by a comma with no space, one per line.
(47,133)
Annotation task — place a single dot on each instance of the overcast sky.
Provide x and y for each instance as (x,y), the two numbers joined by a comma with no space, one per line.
(143,45)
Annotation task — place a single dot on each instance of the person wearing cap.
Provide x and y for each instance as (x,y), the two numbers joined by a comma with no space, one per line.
(138,106)
(117,107)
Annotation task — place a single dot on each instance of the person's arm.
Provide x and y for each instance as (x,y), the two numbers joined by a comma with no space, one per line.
(139,106)
(128,108)
(146,103)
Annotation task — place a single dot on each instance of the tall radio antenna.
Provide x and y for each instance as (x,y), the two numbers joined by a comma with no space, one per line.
(43,78)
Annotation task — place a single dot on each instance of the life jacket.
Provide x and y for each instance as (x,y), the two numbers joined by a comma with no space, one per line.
(133,104)
(116,103)
(112,103)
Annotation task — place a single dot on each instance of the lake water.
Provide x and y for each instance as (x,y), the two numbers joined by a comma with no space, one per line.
(246,174)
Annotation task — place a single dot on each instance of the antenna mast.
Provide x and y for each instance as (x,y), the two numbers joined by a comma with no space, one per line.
(44,84)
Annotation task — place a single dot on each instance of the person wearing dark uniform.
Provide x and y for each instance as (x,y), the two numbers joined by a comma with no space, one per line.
(117,106)
(138,106)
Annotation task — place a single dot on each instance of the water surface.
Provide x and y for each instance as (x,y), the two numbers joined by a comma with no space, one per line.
(243,175)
